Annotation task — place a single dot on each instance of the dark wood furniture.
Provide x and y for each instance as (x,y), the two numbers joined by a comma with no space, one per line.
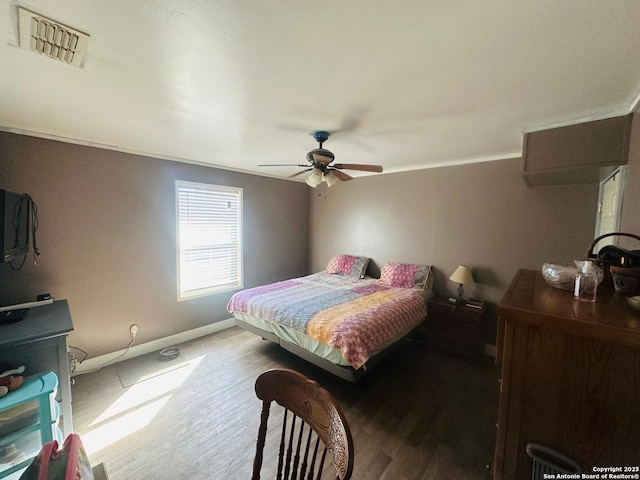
(455,328)
(313,428)
(39,342)
(569,379)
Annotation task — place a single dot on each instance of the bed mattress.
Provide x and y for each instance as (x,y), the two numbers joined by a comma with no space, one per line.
(342,319)
(305,342)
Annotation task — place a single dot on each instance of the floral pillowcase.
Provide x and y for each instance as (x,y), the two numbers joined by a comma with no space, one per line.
(406,275)
(348,265)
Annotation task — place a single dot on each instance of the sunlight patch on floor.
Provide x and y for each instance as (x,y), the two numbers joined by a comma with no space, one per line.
(136,407)
(121,427)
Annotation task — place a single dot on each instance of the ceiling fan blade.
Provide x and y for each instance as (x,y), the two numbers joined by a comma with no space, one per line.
(357,166)
(341,175)
(283,165)
(352,120)
(349,120)
(300,172)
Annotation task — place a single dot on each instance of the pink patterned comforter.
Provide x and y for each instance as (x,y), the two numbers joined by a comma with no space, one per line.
(352,315)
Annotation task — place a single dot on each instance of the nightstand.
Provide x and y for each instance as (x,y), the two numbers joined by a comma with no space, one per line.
(457,329)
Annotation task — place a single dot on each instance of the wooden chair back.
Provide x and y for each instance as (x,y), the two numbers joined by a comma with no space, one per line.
(313,426)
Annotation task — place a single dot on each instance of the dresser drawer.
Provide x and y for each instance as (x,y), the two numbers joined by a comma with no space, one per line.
(461,314)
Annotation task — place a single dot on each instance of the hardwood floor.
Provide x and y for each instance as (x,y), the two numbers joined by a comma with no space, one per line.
(420,415)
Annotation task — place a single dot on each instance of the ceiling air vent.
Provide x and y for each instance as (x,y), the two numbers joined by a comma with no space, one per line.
(50,38)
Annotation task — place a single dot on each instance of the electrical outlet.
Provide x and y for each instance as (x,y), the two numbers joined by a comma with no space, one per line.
(134,330)
(73,362)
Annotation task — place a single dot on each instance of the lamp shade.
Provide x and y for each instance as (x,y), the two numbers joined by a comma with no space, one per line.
(330,178)
(462,275)
(314,179)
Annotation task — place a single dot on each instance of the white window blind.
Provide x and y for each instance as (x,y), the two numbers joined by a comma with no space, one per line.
(209,238)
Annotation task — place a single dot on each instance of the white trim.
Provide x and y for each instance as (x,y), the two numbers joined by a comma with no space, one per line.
(96,363)
(450,163)
(161,156)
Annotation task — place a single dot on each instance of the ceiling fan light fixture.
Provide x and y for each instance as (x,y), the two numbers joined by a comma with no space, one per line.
(330,178)
(320,155)
(320,164)
(314,179)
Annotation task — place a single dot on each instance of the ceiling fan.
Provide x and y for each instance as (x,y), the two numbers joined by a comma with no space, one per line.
(321,167)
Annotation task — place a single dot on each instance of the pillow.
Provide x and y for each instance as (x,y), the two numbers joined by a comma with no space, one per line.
(406,275)
(348,265)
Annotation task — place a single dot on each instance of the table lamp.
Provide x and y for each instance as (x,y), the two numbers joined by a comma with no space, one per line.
(461,276)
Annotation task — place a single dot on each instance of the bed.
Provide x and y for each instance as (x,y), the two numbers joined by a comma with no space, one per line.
(338,319)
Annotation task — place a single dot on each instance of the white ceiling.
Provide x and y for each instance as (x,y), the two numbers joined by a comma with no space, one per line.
(237,83)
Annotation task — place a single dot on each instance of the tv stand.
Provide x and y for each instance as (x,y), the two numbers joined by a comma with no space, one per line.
(39,342)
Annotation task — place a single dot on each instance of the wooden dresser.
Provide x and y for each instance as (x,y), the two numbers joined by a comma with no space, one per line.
(570,377)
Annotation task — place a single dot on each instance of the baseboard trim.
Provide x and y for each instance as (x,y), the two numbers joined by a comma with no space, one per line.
(93,364)
(96,363)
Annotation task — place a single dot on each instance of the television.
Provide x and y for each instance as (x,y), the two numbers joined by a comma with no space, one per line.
(14,225)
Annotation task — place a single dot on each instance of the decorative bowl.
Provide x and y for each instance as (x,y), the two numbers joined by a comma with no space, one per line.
(563,276)
(634,302)
(626,280)
(560,276)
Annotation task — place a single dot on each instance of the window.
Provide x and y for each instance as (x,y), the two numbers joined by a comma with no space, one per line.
(209,239)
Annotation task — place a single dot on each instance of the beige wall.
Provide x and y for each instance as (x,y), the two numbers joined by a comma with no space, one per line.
(107,238)
(482,215)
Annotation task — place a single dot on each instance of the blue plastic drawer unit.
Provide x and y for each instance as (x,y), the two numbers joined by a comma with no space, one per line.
(28,420)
